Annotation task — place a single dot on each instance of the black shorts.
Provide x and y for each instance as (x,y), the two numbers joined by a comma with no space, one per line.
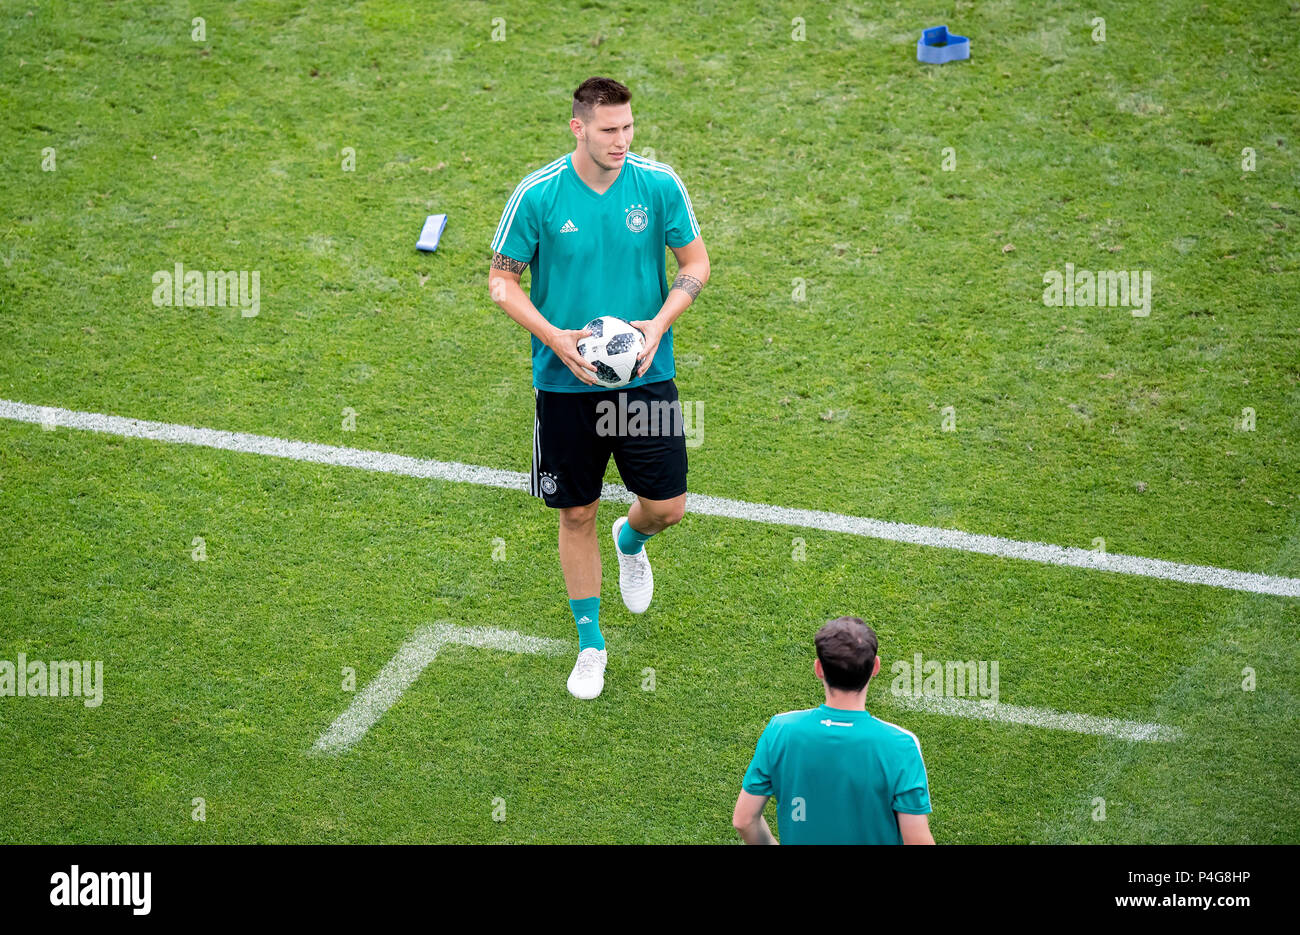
(575,433)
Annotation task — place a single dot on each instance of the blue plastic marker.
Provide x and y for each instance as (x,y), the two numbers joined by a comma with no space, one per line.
(433,226)
(937,46)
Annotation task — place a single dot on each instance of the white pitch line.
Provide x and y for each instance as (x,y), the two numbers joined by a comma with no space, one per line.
(422,648)
(405,667)
(934,537)
(1040,717)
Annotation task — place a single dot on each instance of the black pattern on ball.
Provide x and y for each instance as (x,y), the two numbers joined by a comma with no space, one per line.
(607,373)
(620,343)
(596,326)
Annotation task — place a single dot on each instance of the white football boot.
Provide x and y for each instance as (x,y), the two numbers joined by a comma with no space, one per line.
(587,680)
(635,579)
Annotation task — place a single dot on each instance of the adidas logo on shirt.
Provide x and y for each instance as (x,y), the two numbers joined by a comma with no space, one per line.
(568,228)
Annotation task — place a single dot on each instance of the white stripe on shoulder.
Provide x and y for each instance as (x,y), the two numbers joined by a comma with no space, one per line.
(653,166)
(904,730)
(516,198)
(535,173)
(796,711)
(530,177)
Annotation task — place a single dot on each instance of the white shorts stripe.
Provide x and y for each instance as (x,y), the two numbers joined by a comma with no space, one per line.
(535,478)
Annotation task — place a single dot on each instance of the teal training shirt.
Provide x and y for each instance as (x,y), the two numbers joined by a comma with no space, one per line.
(593,255)
(838,776)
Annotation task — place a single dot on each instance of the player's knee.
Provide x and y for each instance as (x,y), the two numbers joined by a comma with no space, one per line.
(578,518)
(671,514)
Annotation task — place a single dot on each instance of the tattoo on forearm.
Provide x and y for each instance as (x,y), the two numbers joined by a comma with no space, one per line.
(508,264)
(688,284)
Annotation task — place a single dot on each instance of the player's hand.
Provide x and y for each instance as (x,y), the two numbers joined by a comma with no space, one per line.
(653,333)
(565,345)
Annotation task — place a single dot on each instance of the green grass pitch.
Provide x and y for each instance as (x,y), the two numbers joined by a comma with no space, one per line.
(815,166)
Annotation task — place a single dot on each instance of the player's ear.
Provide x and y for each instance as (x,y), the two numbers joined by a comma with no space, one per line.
(817,668)
(875,669)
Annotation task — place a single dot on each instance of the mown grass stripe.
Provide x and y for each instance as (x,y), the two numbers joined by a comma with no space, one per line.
(934,537)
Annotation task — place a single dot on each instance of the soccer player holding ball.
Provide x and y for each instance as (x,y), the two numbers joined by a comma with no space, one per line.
(592,226)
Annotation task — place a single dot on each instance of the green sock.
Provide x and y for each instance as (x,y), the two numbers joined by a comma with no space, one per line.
(586,614)
(630,541)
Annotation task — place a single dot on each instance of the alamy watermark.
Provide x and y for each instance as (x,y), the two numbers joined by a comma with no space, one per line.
(921,678)
(55,679)
(1109,287)
(79,887)
(639,418)
(213,288)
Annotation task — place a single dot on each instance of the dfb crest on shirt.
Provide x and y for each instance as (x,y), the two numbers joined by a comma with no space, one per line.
(636,218)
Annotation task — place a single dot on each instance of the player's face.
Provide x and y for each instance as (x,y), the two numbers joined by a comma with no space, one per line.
(609,135)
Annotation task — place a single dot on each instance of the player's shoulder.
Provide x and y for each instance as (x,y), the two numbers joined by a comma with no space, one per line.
(788,719)
(900,737)
(659,173)
(540,180)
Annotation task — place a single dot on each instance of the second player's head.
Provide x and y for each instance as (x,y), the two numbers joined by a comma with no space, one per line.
(846,654)
(602,121)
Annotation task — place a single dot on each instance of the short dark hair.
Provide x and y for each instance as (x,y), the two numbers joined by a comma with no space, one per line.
(847,648)
(595,92)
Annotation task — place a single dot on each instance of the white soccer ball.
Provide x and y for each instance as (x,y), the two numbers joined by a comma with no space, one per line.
(612,348)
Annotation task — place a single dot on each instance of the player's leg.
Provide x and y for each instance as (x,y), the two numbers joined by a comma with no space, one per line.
(580,562)
(569,462)
(648,517)
(651,457)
